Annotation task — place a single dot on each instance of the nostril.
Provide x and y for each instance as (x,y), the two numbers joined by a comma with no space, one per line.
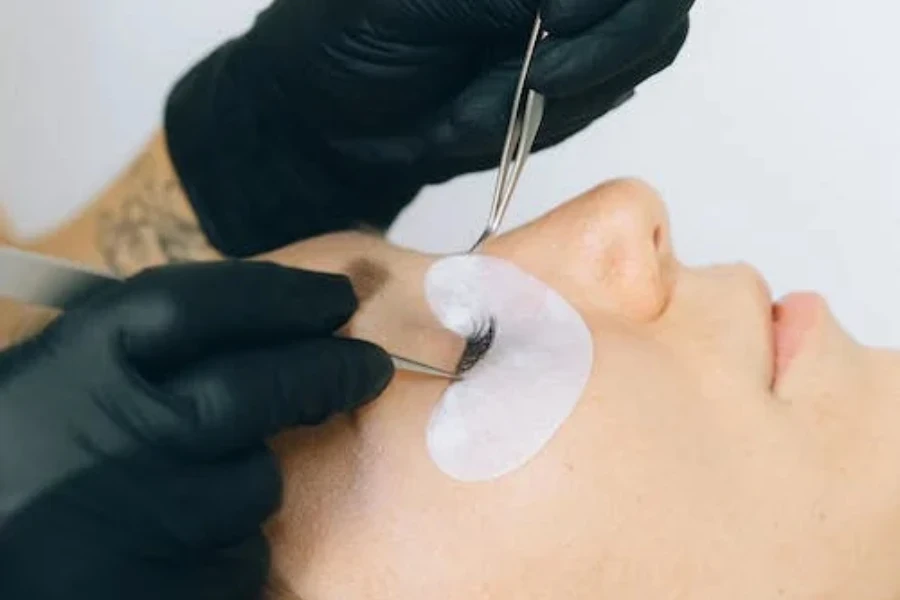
(657,238)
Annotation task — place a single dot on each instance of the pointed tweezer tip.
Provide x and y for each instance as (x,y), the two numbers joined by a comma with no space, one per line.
(406,364)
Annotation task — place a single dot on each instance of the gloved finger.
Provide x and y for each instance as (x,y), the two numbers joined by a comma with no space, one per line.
(216,504)
(566,18)
(471,138)
(428,21)
(236,401)
(176,314)
(565,116)
(601,103)
(236,573)
(477,119)
(567,66)
(564,125)
(241,571)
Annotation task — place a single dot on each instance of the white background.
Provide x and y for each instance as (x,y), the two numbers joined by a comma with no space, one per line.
(775,138)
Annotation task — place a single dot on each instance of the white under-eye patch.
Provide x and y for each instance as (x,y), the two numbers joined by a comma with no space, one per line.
(513,401)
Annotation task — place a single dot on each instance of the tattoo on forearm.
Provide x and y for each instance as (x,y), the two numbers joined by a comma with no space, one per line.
(148,229)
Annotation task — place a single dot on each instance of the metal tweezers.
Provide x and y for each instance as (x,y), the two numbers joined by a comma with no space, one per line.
(524,123)
(54,283)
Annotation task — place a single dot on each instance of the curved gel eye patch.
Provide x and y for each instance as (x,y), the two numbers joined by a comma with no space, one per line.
(513,401)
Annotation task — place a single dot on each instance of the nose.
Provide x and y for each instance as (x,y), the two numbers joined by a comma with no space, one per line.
(608,250)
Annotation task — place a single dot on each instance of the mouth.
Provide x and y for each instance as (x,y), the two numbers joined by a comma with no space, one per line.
(793,317)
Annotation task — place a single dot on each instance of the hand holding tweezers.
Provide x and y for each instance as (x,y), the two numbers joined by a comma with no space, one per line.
(44,281)
(524,124)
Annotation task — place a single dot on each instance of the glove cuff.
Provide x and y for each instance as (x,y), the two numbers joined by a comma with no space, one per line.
(257,176)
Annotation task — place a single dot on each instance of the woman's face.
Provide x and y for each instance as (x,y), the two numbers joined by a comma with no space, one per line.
(720,449)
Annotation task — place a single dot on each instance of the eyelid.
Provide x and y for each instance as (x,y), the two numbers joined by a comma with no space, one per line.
(478,344)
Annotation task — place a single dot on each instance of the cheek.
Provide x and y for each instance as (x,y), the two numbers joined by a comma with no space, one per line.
(719,325)
(647,404)
(660,431)
(359,481)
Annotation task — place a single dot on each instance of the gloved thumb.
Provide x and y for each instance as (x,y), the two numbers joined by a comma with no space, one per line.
(178,314)
(239,400)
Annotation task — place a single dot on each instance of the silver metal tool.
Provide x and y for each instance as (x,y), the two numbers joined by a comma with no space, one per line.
(41,280)
(414,366)
(524,124)
(54,283)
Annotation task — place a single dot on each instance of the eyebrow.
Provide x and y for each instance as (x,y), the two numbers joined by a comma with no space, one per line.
(368,277)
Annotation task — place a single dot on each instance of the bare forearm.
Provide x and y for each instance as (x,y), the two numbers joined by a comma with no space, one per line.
(143,219)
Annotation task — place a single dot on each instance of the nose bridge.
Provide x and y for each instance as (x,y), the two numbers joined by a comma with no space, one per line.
(609,250)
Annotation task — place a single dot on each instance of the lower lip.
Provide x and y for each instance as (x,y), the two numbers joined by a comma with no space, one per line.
(792,318)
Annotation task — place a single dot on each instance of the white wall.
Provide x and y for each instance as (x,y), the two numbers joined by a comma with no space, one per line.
(81,88)
(775,139)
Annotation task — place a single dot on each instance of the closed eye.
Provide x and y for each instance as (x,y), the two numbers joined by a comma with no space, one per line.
(477,345)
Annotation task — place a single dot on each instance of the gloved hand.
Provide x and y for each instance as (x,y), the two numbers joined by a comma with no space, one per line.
(348,107)
(132,455)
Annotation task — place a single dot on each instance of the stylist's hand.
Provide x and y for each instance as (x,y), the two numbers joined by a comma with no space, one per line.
(132,454)
(359,103)
(395,81)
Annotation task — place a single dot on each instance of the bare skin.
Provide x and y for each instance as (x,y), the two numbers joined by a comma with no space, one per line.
(142,219)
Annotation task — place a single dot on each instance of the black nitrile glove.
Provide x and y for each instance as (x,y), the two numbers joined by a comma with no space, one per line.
(132,454)
(330,113)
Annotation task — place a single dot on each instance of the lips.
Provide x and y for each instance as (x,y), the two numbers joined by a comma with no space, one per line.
(792,319)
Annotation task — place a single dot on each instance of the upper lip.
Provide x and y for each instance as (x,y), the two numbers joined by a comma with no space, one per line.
(745,313)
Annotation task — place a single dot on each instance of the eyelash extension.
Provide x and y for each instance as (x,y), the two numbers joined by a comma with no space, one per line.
(477,345)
